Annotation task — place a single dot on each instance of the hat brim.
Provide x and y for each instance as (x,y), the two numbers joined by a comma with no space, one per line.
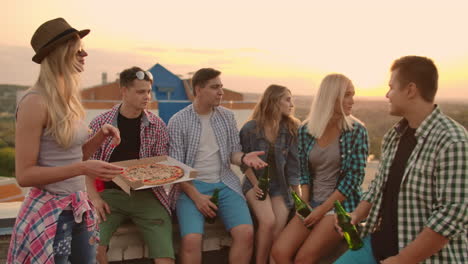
(42,53)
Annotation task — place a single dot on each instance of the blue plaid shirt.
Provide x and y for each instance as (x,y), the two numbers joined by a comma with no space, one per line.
(184,137)
(354,148)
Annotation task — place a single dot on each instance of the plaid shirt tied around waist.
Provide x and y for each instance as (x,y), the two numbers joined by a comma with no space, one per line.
(36,224)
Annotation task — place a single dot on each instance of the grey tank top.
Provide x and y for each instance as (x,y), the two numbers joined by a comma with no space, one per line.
(51,154)
(325,165)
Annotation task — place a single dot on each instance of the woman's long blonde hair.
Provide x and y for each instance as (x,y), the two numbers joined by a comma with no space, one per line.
(58,83)
(332,88)
(267,111)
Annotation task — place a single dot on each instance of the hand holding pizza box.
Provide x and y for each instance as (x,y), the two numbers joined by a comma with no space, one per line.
(151,172)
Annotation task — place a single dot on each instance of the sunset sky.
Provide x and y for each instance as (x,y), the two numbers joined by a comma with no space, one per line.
(254,43)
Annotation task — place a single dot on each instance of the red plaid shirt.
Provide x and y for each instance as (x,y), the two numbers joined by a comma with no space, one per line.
(154,142)
(36,224)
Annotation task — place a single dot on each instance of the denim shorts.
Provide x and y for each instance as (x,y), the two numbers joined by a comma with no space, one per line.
(314,204)
(232,209)
(73,243)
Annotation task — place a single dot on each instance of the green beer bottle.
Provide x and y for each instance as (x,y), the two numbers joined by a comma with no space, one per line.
(301,207)
(213,199)
(264,184)
(350,231)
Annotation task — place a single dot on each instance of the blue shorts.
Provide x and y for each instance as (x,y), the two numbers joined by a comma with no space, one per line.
(232,209)
(363,255)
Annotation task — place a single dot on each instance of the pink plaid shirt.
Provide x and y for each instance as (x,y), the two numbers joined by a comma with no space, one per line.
(154,142)
(36,224)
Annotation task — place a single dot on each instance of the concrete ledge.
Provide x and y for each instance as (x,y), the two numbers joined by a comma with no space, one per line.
(10,191)
(4,244)
(127,245)
(127,242)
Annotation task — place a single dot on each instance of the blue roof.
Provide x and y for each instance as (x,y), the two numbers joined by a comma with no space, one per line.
(169,91)
(166,85)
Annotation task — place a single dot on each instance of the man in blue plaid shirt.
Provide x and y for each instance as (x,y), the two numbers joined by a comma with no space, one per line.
(204,136)
(417,206)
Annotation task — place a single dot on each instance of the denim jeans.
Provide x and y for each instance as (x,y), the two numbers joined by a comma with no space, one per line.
(73,242)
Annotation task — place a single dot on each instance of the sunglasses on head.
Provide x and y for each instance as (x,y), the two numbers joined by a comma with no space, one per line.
(141,75)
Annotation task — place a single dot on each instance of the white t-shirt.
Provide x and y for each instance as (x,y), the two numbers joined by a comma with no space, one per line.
(208,160)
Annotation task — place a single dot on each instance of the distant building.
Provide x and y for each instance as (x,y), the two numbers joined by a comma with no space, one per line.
(170,95)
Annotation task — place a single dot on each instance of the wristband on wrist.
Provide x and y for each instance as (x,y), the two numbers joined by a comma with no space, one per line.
(242,160)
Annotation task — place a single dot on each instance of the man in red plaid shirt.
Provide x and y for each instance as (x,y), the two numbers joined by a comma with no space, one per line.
(143,134)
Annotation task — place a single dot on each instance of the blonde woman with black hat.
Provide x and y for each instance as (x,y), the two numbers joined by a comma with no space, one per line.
(56,223)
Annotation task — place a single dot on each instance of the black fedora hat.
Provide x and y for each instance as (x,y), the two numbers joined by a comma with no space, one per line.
(50,34)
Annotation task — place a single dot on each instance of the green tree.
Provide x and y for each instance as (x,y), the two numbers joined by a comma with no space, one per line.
(7,162)
(7,132)
(3,144)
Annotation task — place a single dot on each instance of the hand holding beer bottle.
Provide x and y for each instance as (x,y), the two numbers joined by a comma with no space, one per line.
(302,208)
(264,184)
(214,199)
(349,230)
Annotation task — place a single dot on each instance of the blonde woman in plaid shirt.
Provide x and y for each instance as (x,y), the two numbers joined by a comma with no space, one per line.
(417,206)
(332,150)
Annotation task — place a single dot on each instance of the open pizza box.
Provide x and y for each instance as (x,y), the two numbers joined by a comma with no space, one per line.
(127,185)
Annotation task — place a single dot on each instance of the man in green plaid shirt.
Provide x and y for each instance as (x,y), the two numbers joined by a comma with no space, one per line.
(417,205)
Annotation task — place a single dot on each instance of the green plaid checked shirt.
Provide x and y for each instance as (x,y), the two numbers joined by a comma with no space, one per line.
(354,148)
(433,191)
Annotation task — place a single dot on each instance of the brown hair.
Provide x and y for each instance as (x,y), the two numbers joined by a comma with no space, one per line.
(267,111)
(202,76)
(420,71)
(127,76)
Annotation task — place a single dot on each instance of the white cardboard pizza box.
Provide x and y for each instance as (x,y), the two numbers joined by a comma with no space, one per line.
(126,185)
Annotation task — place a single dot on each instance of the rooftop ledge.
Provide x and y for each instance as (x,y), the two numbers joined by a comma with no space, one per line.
(127,242)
